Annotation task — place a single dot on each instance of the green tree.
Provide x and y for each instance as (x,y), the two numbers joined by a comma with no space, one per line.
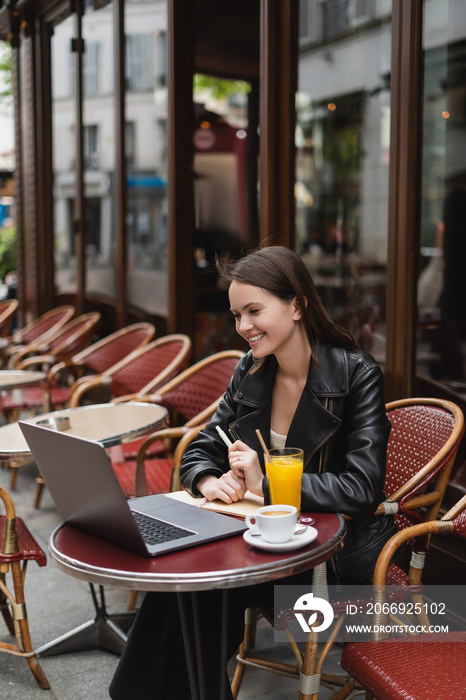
(7,250)
(6,73)
(220,88)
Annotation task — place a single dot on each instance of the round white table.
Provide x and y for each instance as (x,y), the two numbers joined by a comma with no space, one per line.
(111,424)
(16,378)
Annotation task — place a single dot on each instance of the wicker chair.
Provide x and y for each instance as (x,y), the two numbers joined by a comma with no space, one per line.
(95,359)
(406,667)
(70,339)
(163,356)
(150,366)
(40,329)
(422,447)
(191,398)
(18,547)
(7,312)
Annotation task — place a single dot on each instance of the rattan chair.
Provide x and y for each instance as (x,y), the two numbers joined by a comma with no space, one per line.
(70,339)
(411,667)
(191,398)
(150,366)
(17,548)
(422,447)
(39,330)
(7,311)
(95,359)
(164,357)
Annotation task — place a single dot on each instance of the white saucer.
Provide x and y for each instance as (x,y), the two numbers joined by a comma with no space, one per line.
(297,541)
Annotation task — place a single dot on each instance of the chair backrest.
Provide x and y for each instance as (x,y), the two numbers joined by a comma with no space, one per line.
(193,392)
(72,337)
(106,352)
(459,522)
(422,446)
(452,523)
(7,311)
(150,366)
(44,326)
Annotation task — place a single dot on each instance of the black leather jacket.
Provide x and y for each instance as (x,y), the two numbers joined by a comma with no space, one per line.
(340,424)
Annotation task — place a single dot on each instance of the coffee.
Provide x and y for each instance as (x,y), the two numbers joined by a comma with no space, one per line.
(275,530)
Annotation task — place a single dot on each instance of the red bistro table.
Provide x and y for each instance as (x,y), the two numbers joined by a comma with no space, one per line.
(205,567)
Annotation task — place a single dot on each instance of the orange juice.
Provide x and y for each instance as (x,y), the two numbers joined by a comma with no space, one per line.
(284,472)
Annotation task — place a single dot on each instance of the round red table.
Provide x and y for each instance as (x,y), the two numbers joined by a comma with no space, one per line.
(222,564)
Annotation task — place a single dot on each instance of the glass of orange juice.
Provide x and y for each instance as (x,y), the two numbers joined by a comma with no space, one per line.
(284,471)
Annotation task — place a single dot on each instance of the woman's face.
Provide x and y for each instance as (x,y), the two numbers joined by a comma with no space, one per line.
(266,322)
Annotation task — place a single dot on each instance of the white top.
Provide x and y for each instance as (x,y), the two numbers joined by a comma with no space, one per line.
(277,441)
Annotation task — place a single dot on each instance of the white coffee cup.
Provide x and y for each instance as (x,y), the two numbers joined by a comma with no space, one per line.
(275,523)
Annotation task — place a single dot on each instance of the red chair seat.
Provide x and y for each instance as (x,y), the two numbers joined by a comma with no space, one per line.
(33,397)
(385,669)
(11,398)
(130,449)
(28,548)
(158,475)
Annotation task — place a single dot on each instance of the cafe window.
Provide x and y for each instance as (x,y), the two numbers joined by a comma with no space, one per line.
(309,13)
(342,147)
(130,142)
(146,105)
(140,61)
(99,152)
(64,157)
(92,68)
(441,349)
(91,146)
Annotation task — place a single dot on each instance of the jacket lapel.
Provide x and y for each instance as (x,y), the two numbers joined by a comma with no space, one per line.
(254,397)
(313,423)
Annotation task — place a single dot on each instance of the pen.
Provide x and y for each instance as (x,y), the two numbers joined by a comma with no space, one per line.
(224,436)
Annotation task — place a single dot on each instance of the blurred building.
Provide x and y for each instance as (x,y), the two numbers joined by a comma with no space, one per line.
(343,140)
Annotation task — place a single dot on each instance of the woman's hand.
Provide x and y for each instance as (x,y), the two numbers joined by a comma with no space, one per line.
(228,488)
(244,463)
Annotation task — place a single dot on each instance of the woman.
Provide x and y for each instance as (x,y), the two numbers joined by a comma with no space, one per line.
(303,383)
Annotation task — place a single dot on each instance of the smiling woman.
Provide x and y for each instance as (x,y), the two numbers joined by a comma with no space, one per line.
(304,383)
(262,318)
(282,275)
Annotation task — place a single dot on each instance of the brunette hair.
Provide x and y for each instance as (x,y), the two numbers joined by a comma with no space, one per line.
(280,271)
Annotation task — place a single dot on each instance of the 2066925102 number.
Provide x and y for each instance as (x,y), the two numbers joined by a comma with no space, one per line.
(405,608)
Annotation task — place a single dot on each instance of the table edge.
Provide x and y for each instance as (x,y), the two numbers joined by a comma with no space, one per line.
(233,578)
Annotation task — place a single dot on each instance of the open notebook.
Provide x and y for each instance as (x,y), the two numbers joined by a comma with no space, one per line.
(249,504)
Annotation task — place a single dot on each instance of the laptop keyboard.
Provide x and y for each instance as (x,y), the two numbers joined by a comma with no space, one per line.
(156,531)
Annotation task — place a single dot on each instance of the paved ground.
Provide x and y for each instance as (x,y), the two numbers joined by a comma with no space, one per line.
(58,603)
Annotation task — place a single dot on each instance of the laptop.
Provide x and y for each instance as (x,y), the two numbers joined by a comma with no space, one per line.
(87,494)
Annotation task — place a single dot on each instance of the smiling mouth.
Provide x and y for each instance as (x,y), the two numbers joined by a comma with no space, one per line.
(255,338)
